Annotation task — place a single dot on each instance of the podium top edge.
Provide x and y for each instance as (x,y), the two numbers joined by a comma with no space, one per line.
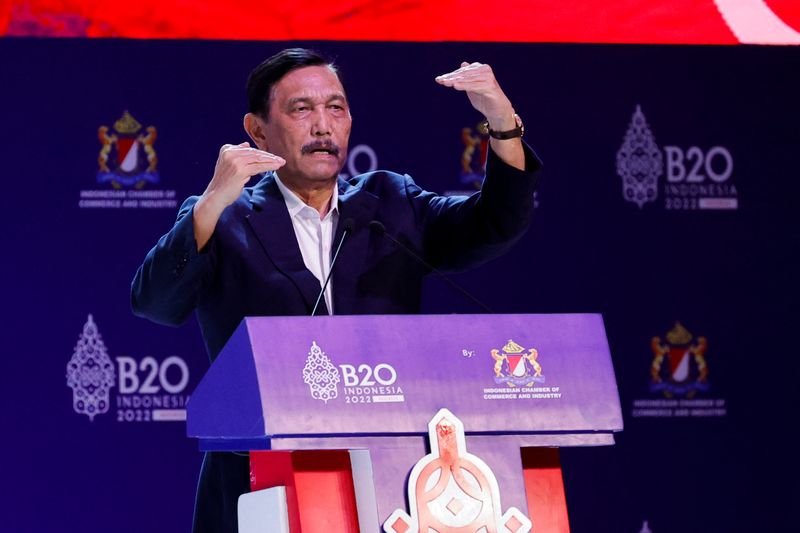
(387,434)
(424,315)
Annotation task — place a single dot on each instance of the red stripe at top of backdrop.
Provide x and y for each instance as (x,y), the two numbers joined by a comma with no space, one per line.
(596,21)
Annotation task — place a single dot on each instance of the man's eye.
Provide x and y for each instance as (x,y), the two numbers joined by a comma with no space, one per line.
(301,108)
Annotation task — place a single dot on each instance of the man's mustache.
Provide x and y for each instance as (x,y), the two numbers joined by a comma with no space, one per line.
(327,146)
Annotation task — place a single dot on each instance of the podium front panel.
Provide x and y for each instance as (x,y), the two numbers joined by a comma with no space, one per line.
(336,376)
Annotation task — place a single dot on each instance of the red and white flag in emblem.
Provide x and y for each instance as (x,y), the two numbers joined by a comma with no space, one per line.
(127,153)
(516,364)
(679,363)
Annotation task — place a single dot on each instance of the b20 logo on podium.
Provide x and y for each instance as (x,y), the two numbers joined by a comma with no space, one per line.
(362,383)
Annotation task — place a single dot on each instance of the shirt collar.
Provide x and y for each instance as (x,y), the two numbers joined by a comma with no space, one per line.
(296,205)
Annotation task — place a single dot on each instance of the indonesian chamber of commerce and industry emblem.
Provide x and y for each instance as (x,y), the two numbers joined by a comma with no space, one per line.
(679,365)
(517,366)
(127,156)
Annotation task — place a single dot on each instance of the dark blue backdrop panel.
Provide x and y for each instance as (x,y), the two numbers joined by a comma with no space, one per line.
(727,275)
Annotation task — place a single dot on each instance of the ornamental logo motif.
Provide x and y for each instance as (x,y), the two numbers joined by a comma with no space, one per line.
(90,373)
(639,162)
(450,490)
(679,366)
(517,367)
(127,157)
(320,375)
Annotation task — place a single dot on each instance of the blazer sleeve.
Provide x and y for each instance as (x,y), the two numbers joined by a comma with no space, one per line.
(464,232)
(167,285)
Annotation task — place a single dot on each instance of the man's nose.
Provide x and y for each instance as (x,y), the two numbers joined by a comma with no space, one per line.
(321,126)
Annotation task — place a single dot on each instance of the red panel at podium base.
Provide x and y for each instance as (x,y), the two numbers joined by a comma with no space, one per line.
(319,487)
(544,488)
(321,496)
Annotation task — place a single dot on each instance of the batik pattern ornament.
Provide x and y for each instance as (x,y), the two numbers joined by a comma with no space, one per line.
(320,375)
(639,162)
(452,491)
(90,373)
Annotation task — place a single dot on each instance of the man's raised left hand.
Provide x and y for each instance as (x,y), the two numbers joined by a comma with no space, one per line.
(484,93)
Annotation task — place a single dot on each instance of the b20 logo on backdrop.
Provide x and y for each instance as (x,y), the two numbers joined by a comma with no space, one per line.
(694,177)
(148,389)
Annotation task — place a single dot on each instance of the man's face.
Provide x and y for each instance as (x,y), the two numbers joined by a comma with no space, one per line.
(309,125)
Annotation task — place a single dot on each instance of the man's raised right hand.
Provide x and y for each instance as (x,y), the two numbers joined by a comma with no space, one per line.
(235,166)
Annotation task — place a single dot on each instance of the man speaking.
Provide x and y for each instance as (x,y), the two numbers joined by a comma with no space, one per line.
(239,251)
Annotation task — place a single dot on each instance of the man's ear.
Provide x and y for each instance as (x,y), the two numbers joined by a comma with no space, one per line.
(254,126)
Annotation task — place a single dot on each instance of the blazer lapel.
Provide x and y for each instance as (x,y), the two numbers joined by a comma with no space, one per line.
(361,207)
(272,226)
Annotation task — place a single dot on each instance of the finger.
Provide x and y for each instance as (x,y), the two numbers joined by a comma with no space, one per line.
(248,150)
(481,76)
(261,152)
(259,168)
(470,74)
(267,165)
(449,75)
(477,83)
(479,80)
(465,67)
(470,84)
(243,165)
(226,147)
(262,158)
(240,149)
(238,153)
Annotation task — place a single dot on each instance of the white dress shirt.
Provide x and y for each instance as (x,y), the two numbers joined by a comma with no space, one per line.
(314,234)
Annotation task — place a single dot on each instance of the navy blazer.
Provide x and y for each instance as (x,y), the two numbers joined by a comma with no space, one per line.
(252,265)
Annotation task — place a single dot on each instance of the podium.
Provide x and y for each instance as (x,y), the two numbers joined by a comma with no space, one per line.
(364,389)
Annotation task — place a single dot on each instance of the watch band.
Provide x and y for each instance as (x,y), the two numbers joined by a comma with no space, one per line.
(519,131)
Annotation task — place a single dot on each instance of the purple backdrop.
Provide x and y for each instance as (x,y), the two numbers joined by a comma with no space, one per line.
(668,197)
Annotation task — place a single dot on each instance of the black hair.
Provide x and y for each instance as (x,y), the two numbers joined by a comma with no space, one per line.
(273,69)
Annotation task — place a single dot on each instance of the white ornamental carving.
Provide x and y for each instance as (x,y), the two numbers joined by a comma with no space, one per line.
(320,375)
(639,162)
(90,373)
(453,491)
